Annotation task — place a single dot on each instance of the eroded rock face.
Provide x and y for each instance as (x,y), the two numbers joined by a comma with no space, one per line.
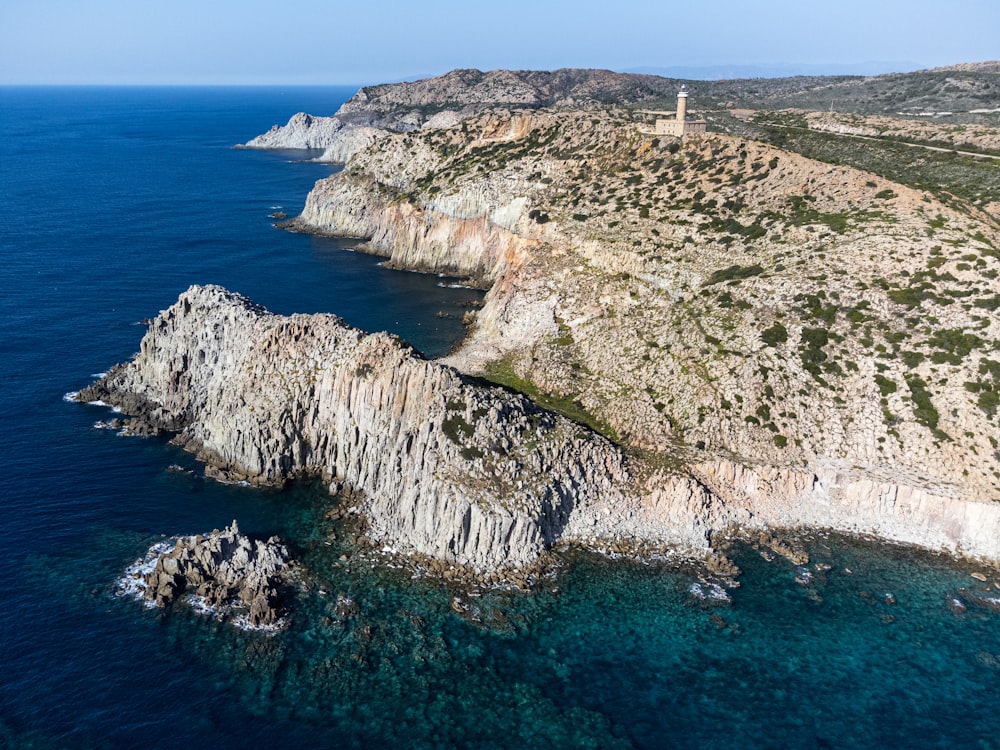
(231,575)
(449,468)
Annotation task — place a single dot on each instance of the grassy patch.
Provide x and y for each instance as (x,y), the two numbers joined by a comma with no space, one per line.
(923,409)
(502,373)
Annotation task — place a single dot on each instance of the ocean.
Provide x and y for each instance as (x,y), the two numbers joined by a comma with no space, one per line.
(114,200)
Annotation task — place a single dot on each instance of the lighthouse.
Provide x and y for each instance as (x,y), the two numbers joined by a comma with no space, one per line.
(682,108)
(680,125)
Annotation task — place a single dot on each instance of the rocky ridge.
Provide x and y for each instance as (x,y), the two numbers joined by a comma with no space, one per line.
(968,93)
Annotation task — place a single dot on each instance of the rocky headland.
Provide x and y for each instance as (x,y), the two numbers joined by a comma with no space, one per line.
(695,337)
(459,470)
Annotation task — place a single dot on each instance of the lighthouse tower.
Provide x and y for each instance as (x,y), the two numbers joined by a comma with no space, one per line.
(679,125)
(682,106)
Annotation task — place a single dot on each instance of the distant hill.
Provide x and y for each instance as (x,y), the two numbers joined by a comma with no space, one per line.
(969,91)
(776,70)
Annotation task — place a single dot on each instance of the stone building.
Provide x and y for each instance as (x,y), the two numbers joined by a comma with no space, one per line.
(680,124)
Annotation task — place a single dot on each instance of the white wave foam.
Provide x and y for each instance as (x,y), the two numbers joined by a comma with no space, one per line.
(712,592)
(132,582)
(71,395)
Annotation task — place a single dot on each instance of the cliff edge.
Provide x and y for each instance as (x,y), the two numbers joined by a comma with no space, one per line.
(462,471)
(448,468)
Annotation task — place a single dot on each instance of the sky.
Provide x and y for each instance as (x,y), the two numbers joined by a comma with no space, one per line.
(314,42)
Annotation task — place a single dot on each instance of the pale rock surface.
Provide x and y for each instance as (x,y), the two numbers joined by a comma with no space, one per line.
(466,473)
(339,140)
(302,131)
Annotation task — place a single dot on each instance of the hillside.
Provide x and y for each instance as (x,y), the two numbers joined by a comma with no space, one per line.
(797,312)
(716,293)
(969,93)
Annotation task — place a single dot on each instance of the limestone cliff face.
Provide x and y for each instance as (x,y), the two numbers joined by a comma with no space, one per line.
(842,497)
(450,469)
(464,238)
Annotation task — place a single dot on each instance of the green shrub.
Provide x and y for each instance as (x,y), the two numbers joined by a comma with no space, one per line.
(811,351)
(988,402)
(734,273)
(455,426)
(885,385)
(923,409)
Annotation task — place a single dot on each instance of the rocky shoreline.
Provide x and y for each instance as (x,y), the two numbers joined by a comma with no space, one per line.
(452,469)
(719,397)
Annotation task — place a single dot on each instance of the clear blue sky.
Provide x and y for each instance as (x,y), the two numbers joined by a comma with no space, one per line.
(337,42)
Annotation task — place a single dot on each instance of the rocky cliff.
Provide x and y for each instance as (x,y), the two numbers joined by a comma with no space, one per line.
(466,472)
(477,475)
(960,93)
(718,294)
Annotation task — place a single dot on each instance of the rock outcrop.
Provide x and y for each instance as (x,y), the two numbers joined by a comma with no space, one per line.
(448,467)
(226,572)
(339,140)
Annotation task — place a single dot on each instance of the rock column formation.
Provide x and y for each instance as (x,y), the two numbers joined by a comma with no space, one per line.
(448,468)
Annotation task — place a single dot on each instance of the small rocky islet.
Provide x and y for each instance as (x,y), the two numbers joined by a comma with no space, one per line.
(223,573)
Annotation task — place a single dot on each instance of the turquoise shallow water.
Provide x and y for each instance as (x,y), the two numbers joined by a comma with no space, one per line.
(114,200)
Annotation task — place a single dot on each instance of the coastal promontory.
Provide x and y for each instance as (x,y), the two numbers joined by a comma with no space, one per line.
(682,337)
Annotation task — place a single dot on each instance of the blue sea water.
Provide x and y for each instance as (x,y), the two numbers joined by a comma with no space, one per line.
(113,201)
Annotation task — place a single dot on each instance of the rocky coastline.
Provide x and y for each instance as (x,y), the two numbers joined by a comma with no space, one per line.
(717,337)
(450,468)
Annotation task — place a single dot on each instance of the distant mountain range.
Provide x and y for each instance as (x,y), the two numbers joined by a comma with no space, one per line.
(778,70)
